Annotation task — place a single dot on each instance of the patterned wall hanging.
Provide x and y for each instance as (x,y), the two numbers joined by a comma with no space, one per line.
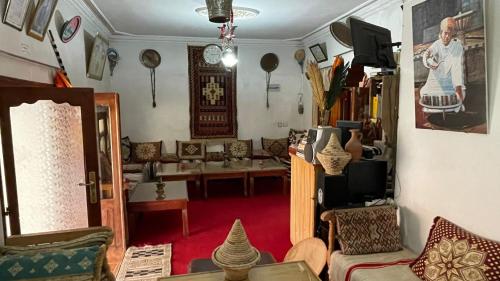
(212,98)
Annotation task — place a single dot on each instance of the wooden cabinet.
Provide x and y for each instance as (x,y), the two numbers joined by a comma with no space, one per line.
(113,207)
(303,199)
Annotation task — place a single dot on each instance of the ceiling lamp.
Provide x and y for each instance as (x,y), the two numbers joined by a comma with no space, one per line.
(219,11)
(229,57)
(240,13)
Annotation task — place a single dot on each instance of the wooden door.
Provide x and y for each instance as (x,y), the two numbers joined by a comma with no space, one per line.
(49,159)
(113,207)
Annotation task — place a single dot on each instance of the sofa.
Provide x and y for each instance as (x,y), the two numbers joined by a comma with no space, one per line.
(451,252)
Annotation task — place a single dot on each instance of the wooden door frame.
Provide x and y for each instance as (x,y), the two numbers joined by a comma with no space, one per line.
(83,97)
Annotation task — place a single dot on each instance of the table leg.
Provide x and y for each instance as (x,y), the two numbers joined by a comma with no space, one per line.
(198,186)
(185,223)
(205,188)
(245,186)
(252,185)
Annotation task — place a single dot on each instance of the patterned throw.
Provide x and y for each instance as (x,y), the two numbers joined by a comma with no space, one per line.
(374,265)
(212,98)
(368,230)
(54,264)
(454,254)
(146,263)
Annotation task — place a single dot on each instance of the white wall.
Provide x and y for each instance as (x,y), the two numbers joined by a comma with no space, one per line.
(450,174)
(385,13)
(26,58)
(169,121)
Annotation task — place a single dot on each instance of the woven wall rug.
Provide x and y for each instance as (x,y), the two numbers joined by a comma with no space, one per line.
(146,263)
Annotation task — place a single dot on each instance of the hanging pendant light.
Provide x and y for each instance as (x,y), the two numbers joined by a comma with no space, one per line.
(219,11)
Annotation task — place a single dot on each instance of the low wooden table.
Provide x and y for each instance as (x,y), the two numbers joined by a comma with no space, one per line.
(217,171)
(267,168)
(180,172)
(145,198)
(290,271)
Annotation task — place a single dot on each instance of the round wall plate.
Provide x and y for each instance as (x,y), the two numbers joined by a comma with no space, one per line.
(342,33)
(70,28)
(269,62)
(150,58)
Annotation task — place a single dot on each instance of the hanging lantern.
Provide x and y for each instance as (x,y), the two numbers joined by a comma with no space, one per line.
(219,11)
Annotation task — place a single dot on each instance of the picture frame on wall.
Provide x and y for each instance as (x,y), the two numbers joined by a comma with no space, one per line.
(318,53)
(16,12)
(97,59)
(40,19)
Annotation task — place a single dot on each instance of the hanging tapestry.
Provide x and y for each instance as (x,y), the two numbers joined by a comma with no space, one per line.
(212,98)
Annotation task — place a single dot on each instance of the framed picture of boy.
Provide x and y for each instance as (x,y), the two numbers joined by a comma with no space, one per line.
(449,56)
(40,19)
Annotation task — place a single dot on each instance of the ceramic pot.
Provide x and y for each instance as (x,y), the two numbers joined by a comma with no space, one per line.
(354,145)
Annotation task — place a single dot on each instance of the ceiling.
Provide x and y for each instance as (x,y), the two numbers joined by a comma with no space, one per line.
(278,19)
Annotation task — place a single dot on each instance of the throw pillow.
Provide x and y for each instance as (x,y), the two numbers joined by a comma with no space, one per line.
(126,146)
(146,151)
(54,264)
(239,149)
(191,150)
(368,230)
(276,147)
(452,253)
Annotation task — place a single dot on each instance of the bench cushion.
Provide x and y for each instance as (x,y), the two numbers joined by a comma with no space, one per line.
(340,264)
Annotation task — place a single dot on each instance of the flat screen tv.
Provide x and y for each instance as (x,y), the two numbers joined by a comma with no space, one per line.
(366,180)
(372,45)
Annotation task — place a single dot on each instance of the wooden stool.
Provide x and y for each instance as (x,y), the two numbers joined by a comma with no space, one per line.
(312,250)
(203,265)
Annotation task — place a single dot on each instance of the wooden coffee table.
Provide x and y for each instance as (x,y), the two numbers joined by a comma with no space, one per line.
(267,168)
(146,197)
(180,172)
(217,171)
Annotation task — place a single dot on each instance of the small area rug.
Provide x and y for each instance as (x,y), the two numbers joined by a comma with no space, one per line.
(146,263)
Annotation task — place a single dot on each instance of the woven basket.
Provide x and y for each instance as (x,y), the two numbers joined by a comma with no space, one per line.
(236,256)
(333,158)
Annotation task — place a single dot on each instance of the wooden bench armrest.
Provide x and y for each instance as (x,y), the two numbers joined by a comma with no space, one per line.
(51,237)
(328,216)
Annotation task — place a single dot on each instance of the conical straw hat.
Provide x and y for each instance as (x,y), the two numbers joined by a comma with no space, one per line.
(236,249)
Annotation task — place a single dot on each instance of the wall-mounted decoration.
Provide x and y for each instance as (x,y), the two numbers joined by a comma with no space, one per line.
(319,53)
(269,62)
(40,18)
(300,56)
(151,59)
(16,12)
(113,58)
(342,33)
(450,66)
(212,54)
(97,60)
(301,104)
(62,69)
(70,28)
(212,98)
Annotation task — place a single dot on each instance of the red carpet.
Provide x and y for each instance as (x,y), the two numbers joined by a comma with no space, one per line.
(266,218)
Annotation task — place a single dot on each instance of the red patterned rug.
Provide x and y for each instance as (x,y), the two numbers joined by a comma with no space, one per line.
(212,98)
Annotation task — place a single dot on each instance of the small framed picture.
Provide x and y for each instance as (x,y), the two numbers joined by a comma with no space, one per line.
(15,13)
(318,53)
(40,19)
(97,60)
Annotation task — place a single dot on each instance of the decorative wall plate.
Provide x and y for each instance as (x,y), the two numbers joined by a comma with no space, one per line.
(70,28)
(150,58)
(342,33)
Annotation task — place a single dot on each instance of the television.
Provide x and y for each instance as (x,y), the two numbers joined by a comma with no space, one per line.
(366,180)
(372,45)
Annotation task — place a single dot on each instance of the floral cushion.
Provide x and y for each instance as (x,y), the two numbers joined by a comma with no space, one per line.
(368,230)
(454,254)
(191,150)
(276,147)
(239,149)
(146,151)
(54,264)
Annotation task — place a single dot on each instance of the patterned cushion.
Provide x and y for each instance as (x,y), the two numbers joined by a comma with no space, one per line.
(239,149)
(146,151)
(126,146)
(276,147)
(368,230)
(191,150)
(454,254)
(294,136)
(54,264)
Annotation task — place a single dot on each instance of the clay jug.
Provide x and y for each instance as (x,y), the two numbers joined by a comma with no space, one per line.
(354,145)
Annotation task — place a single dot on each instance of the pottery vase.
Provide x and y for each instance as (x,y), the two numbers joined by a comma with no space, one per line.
(354,145)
